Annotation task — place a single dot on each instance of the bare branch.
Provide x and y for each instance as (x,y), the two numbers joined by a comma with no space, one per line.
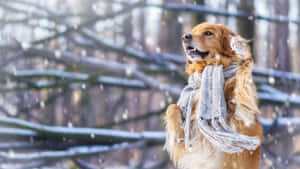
(140,55)
(35,5)
(34,14)
(90,21)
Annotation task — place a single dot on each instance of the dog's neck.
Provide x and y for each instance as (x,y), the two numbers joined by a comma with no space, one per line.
(198,66)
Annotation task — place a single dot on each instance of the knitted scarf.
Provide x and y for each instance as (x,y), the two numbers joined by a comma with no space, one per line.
(211,111)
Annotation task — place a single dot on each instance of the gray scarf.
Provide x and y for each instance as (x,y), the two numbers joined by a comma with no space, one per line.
(211,112)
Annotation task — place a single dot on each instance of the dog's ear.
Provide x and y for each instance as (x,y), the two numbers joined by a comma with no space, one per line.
(225,39)
(240,46)
(234,44)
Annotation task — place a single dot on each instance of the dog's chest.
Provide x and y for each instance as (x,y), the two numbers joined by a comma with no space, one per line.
(202,156)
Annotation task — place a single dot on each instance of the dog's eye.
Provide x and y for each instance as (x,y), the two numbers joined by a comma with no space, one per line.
(207,33)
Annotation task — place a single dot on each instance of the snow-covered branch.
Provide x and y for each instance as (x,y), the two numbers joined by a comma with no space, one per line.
(71,152)
(105,137)
(87,134)
(115,136)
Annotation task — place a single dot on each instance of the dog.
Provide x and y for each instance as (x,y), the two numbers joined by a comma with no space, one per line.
(215,44)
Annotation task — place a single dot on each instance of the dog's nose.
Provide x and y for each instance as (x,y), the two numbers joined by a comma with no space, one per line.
(187,37)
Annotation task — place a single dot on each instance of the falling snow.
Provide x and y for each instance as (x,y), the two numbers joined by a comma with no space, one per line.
(129,71)
(92,135)
(162,104)
(42,104)
(75,97)
(180,19)
(271,80)
(70,124)
(11,153)
(25,45)
(125,114)
(57,53)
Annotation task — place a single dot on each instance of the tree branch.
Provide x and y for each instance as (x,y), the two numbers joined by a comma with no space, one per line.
(82,164)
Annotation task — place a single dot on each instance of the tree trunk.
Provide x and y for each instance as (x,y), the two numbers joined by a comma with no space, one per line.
(246,27)
(280,59)
(170,31)
(280,55)
(198,18)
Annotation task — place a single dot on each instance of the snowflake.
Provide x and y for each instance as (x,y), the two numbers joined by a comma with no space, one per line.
(70,124)
(125,114)
(271,80)
(57,54)
(93,135)
(42,104)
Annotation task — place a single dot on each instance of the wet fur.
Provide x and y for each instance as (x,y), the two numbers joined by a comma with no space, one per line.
(242,110)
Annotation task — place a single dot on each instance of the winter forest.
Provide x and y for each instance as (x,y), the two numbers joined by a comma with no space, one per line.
(85,83)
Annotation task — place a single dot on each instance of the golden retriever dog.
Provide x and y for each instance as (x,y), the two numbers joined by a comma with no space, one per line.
(215,44)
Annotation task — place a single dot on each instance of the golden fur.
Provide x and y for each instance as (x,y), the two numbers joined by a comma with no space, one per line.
(240,95)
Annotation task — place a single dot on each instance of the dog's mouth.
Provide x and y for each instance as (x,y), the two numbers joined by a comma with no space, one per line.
(195,53)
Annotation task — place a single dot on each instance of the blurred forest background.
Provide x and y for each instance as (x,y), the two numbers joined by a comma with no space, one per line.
(105,70)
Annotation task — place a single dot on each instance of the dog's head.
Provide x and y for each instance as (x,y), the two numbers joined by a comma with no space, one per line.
(213,44)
